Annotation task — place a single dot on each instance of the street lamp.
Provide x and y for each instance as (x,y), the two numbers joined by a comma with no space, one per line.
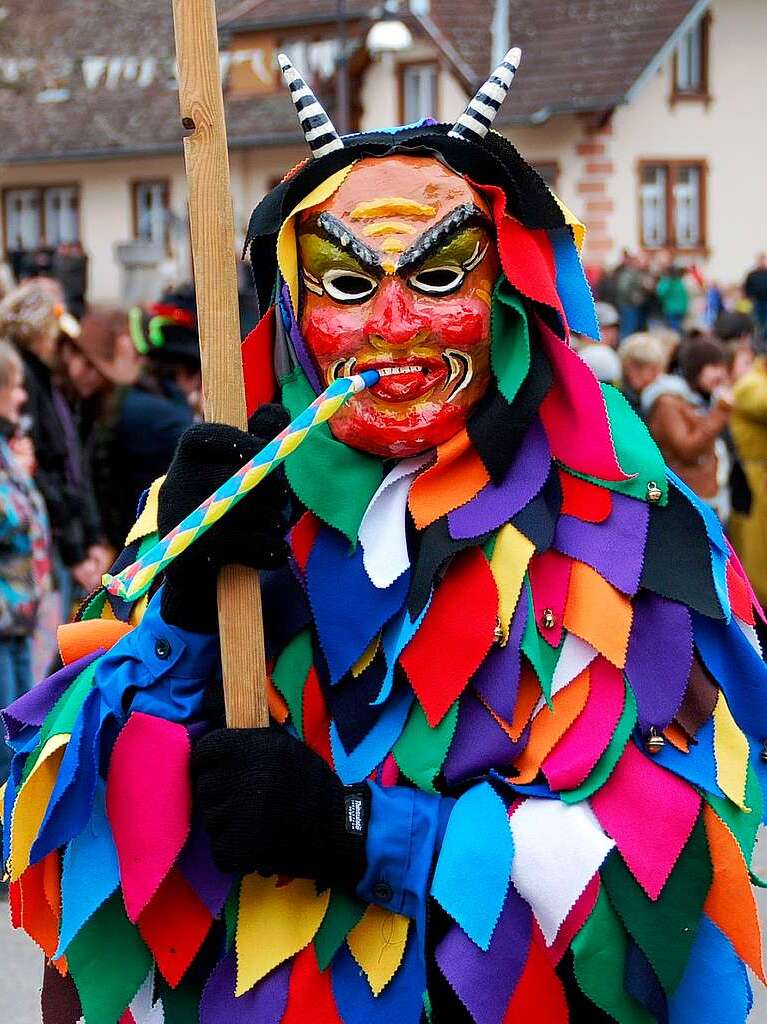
(389,35)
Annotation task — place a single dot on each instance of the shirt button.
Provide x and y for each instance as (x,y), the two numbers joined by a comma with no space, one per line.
(162,648)
(383,892)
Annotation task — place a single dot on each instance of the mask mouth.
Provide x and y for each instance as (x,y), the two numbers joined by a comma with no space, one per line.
(460,369)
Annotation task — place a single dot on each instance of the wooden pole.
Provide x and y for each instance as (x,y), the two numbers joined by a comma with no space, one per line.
(212,230)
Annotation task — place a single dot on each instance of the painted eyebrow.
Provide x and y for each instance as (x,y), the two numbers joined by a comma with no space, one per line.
(337,232)
(461,217)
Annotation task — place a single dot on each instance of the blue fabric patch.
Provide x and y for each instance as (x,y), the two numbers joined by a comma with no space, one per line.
(736,666)
(365,758)
(90,872)
(396,637)
(699,766)
(474,866)
(715,987)
(641,981)
(572,286)
(399,1003)
(348,609)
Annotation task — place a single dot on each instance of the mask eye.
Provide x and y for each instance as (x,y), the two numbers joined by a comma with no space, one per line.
(348,285)
(438,280)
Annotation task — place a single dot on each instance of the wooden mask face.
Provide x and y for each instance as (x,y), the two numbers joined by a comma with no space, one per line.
(397,271)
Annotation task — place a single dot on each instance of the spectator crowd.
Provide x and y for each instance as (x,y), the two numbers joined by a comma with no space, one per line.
(93,401)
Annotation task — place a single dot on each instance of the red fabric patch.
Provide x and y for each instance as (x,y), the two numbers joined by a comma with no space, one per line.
(526,254)
(584,500)
(37,918)
(302,538)
(574,921)
(740,598)
(258,363)
(174,926)
(14,899)
(316,720)
(736,563)
(539,996)
(550,580)
(127,1018)
(310,996)
(455,635)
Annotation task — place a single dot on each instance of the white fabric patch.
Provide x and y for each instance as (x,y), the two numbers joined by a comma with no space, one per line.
(382,530)
(143,1010)
(576,655)
(558,848)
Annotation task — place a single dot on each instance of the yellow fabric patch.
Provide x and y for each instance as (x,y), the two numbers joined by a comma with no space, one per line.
(731,754)
(32,803)
(366,659)
(377,943)
(147,521)
(579,230)
(287,250)
(274,923)
(511,556)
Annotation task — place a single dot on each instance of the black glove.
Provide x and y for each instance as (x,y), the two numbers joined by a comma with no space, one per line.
(252,533)
(270,804)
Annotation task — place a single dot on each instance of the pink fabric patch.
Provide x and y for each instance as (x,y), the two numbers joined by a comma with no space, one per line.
(574,921)
(574,416)
(650,814)
(389,772)
(550,580)
(149,802)
(576,754)
(738,566)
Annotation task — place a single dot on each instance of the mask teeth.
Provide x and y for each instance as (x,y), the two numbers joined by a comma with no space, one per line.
(477,119)
(461,372)
(317,127)
(341,368)
(393,371)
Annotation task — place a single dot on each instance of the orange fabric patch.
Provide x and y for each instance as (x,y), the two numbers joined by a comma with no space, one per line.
(37,917)
(528,695)
(598,613)
(730,902)
(77,639)
(677,737)
(550,725)
(455,478)
(584,500)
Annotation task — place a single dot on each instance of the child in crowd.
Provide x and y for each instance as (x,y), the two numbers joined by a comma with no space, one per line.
(24,541)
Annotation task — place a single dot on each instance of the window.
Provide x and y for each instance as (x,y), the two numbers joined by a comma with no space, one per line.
(549,171)
(690,64)
(418,92)
(672,204)
(41,216)
(151,211)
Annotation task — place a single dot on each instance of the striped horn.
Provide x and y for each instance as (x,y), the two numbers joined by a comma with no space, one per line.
(477,119)
(316,125)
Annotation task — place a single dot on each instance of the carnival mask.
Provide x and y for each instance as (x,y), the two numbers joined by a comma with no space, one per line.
(397,271)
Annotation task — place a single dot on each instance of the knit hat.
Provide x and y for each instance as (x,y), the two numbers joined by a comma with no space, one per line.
(167,330)
(30,311)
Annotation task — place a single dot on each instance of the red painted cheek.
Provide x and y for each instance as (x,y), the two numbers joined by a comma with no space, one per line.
(460,323)
(332,333)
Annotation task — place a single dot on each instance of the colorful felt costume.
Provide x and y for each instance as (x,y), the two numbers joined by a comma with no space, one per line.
(533,640)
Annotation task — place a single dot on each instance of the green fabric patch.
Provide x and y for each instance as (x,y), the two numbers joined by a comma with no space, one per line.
(343,913)
(289,676)
(420,751)
(510,340)
(638,455)
(95,606)
(61,719)
(181,1004)
(599,951)
(231,913)
(541,655)
(664,929)
(604,767)
(743,826)
(107,984)
(333,480)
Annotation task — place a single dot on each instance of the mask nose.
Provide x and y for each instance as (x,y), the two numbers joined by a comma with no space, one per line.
(394,318)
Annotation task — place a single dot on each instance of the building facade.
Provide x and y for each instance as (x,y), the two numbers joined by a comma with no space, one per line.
(644,125)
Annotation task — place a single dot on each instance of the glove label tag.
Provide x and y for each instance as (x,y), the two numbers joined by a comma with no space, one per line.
(355,814)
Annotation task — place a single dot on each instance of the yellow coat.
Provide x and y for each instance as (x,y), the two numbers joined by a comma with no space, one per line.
(749,431)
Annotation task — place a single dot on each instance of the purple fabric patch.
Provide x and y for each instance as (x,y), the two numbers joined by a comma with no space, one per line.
(32,708)
(303,356)
(485,982)
(198,867)
(615,548)
(497,678)
(659,658)
(496,504)
(264,1003)
(479,742)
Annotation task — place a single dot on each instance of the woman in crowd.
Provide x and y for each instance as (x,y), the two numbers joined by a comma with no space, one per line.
(687,415)
(24,541)
(31,319)
(643,359)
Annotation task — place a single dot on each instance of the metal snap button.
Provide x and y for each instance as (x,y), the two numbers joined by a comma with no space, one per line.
(162,648)
(383,892)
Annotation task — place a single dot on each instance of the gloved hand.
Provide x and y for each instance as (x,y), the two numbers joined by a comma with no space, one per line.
(252,533)
(270,804)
